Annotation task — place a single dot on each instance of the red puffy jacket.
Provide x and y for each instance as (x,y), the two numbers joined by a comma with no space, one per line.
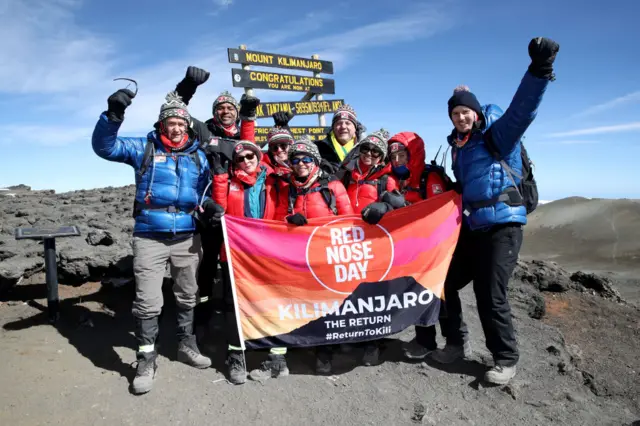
(230,194)
(411,187)
(311,203)
(362,184)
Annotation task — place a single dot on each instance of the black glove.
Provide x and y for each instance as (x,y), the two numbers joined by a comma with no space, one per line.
(196,76)
(211,212)
(374,212)
(248,106)
(117,103)
(193,78)
(281,119)
(543,52)
(297,219)
(328,167)
(216,163)
(394,198)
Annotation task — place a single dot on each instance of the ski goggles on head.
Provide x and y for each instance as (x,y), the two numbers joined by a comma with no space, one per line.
(306,160)
(248,157)
(368,149)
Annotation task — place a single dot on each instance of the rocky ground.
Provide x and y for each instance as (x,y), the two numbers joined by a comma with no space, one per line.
(578,337)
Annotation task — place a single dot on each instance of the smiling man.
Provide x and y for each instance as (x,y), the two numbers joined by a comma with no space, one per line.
(336,148)
(171,177)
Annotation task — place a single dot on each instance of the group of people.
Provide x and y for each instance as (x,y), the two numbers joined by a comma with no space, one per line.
(189,173)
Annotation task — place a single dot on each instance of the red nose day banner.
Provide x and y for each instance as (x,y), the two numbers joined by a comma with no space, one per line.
(339,279)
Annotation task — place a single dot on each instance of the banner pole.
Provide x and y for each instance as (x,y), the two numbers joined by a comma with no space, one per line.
(247,90)
(233,281)
(321,116)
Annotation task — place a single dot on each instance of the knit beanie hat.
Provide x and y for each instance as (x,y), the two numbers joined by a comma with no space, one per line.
(174,107)
(378,139)
(244,146)
(462,96)
(225,97)
(305,146)
(279,135)
(345,112)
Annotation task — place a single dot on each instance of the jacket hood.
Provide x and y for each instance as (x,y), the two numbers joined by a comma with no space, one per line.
(415,146)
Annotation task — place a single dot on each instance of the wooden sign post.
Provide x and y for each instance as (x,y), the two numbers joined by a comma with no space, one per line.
(314,86)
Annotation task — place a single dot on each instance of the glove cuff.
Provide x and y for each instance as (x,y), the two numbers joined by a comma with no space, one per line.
(114,116)
(544,71)
(244,117)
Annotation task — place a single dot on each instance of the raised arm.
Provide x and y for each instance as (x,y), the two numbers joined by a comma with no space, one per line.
(509,128)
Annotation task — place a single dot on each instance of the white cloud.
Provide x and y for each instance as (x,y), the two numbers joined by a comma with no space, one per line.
(614,103)
(598,130)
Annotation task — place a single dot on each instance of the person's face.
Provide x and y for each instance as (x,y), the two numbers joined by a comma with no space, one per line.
(280,151)
(369,156)
(175,129)
(247,161)
(344,130)
(399,158)
(227,113)
(302,165)
(463,118)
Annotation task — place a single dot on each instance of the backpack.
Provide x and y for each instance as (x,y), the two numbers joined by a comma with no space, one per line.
(527,189)
(439,170)
(323,188)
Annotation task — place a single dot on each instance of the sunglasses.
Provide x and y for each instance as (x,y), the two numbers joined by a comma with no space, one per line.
(367,149)
(305,160)
(279,146)
(248,157)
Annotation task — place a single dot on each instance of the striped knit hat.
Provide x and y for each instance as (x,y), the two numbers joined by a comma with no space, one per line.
(225,97)
(378,139)
(242,145)
(279,135)
(304,145)
(345,112)
(174,107)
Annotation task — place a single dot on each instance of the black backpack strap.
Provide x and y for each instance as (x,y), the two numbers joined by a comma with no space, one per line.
(382,185)
(423,183)
(328,195)
(147,157)
(490,145)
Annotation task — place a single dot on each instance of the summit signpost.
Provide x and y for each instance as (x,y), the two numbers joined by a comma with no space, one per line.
(313,85)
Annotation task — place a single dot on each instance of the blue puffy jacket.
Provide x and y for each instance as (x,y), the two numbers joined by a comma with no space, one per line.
(172,183)
(481,176)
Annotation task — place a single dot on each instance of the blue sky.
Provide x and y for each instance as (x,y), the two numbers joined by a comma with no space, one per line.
(395,62)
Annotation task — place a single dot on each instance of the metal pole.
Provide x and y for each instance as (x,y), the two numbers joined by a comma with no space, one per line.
(321,116)
(51,270)
(247,90)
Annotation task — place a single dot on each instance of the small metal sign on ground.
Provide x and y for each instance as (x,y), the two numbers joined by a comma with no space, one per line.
(249,57)
(277,81)
(49,235)
(267,109)
(315,133)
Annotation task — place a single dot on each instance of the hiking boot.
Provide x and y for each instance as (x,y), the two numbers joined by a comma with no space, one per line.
(237,370)
(145,372)
(500,375)
(189,354)
(371,355)
(451,353)
(323,362)
(415,350)
(275,366)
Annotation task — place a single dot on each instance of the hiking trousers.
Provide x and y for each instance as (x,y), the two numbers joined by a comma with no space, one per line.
(150,258)
(487,258)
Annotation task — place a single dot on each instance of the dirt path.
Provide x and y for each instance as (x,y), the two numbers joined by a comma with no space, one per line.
(78,373)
